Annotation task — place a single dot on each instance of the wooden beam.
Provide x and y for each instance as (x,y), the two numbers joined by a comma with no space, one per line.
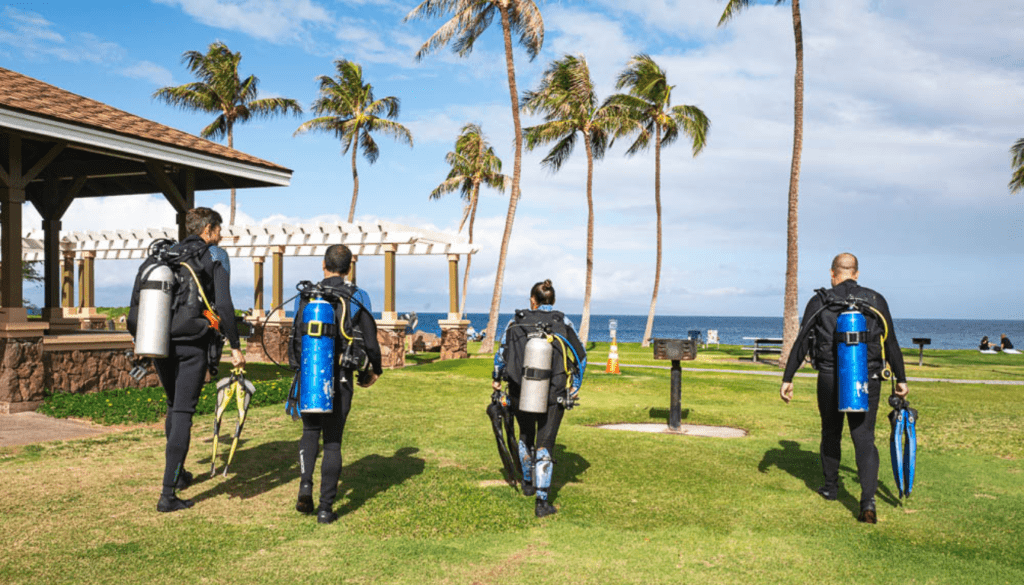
(166,185)
(47,158)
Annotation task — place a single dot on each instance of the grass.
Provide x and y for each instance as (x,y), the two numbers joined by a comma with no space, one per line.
(419,502)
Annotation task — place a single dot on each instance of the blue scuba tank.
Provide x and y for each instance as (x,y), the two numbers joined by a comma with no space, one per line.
(852,361)
(316,381)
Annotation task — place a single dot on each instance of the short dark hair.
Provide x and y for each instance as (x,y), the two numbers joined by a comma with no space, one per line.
(338,259)
(197,219)
(845,262)
(543,293)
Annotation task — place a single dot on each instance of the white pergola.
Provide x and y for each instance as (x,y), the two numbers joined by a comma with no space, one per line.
(378,238)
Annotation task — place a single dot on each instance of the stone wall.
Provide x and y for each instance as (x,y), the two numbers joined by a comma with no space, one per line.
(21,370)
(392,346)
(80,371)
(275,336)
(453,343)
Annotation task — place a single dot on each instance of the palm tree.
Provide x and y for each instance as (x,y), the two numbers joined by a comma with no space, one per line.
(347,109)
(220,90)
(473,164)
(471,18)
(790,312)
(1017,181)
(567,100)
(648,104)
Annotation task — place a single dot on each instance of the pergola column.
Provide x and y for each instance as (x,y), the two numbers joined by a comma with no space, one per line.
(453,286)
(257,302)
(453,329)
(278,285)
(390,313)
(390,330)
(352,269)
(68,281)
(52,269)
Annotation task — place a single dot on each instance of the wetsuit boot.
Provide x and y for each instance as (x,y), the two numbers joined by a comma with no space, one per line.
(304,503)
(543,470)
(526,460)
(868,515)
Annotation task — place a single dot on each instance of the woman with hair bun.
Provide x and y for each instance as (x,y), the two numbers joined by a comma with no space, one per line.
(564,375)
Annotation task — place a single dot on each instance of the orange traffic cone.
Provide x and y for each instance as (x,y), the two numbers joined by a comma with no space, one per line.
(613,359)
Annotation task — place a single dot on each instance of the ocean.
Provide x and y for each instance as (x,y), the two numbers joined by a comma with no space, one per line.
(944,333)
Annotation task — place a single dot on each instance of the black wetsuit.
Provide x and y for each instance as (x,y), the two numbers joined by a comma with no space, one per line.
(331,425)
(823,354)
(193,343)
(1006,343)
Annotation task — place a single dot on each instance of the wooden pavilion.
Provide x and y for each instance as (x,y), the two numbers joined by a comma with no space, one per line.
(56,146)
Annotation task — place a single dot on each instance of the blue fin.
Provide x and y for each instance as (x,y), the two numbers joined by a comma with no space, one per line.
(910,455)
(898,421)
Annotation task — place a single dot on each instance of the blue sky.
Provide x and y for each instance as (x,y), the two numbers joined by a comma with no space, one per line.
(910,110)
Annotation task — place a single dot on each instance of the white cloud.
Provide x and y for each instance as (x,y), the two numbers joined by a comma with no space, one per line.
(277,21)
(34,37)
(153,73)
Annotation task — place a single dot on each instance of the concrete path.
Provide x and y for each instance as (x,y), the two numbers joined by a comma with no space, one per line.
(778,374)
(25,428)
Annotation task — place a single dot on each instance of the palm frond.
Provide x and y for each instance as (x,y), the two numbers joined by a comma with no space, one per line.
(560,153)
(526,21)
(471,31)
(388,107)
(266,107)
(1017,154)
(217,129)
(194,97)
(368,146)
(732,8)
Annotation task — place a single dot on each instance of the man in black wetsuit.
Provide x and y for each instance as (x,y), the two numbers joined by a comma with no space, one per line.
(195,348)
(822,346)
(337,262)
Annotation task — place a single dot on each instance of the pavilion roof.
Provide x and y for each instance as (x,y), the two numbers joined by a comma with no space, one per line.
(20,93)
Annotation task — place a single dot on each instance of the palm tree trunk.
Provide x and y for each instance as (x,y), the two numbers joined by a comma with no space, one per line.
(355,179)
(585,318)
(492,320)
(657,210)
(231,144)
(790,314)
(469,257)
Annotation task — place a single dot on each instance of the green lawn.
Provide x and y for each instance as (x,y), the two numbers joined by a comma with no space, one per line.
(420,503)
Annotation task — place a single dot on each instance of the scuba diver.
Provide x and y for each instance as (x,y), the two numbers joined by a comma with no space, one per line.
(198,314)
(844,387)
(346,339)
(543,361)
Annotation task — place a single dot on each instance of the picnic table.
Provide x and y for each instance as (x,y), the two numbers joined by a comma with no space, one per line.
(763,345)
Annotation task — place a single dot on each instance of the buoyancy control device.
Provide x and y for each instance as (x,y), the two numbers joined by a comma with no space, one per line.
(316,382)
(168,295)
(541,361)
(852,360)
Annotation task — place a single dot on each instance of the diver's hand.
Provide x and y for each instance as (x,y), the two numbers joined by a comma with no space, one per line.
(786,392)
(237,358)
(902,390)
(496,384)
(367,378)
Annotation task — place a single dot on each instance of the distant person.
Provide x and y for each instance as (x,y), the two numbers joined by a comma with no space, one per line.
(537,431)
(195,347)
(985,345)
(822,329)
(471,333)
(1005,343)
(361,330)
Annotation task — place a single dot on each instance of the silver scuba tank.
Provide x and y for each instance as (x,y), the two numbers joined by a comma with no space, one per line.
(153,333)
(533,396)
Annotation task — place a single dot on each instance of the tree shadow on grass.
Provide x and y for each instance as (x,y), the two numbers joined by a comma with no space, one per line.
(375,474)
(568,468)
(254,471)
